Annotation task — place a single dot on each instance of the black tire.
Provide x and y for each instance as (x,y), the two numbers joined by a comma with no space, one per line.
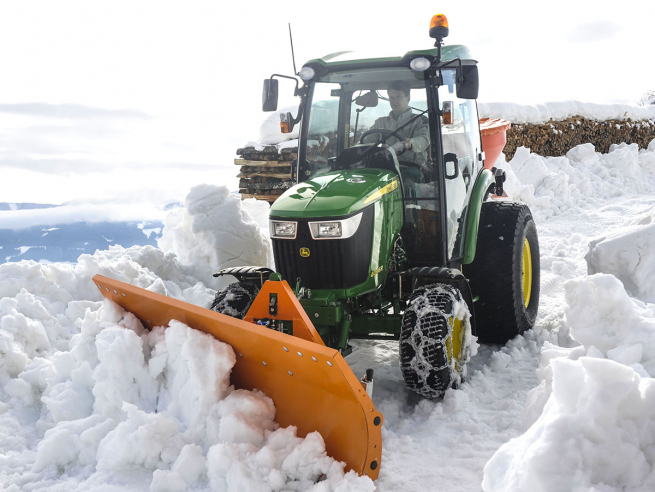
(496,274)
(235,299)
(424,339)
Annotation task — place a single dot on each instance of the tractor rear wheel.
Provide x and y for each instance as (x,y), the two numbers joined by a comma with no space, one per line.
(235,299)
(434,340)
(505,273)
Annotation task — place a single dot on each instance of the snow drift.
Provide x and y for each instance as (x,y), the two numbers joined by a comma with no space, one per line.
(583,178)
(629,255)
(213,231)
(592,417)
(89,398)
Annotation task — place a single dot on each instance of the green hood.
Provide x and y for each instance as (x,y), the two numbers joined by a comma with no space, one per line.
(335,194)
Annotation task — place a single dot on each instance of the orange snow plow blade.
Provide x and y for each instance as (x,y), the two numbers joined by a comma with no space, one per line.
(312,386)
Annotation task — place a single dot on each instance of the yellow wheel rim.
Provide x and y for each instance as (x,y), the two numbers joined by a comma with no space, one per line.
(454,343)
(527,272)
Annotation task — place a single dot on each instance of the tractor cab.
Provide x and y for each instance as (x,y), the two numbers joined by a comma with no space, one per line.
(413,115)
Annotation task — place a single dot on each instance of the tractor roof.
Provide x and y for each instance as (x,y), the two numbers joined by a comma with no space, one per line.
(343,58)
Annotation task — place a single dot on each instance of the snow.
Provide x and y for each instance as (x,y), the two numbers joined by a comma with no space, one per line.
(122,401)
(588,424)
(595,433)
(90,400)
(583,178)
(213,231)
(557,111)
(629,255)
(270,134)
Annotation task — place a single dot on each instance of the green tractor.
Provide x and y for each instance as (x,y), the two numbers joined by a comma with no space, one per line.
(395,229)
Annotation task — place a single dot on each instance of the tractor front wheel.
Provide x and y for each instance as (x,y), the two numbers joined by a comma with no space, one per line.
(434,340)
(235,299)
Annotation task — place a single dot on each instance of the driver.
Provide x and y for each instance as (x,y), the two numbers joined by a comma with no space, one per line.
(415,137)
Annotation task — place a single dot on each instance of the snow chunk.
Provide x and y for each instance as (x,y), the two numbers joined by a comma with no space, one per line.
(167,481)
(212,232)
(600,313)
(148,440)
(630,256)
(595,431)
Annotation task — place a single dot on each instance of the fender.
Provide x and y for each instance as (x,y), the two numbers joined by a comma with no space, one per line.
(482,183)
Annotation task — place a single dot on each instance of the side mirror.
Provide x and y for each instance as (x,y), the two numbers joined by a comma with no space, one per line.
(368,100)
(468,82)
(269,95)
(450,157)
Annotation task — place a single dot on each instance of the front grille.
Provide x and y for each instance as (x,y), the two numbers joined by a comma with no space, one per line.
(332,263)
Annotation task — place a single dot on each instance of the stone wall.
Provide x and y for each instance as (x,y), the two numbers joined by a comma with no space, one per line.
(556,138)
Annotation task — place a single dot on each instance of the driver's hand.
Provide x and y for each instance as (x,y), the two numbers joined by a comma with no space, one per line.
(407,144)
(398,147)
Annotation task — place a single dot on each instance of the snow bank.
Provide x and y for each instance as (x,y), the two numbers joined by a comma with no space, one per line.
(595,433)
(583,178)
(558,111)
(213,231)
(600,313)
(629,255)
(591,420)
(592,416)
(88,397)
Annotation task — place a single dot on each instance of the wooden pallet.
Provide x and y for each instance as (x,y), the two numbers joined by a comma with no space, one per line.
(264,174)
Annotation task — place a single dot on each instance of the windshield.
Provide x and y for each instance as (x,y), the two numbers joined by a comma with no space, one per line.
(347,105)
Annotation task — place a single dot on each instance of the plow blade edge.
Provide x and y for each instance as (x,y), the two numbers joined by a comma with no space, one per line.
(312,386)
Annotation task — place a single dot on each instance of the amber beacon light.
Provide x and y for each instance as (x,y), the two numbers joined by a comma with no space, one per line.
(439,27)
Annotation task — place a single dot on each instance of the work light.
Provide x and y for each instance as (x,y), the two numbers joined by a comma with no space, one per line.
(306,73)
(419,64)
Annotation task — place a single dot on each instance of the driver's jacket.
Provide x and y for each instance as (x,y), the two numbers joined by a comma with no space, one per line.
(418,131)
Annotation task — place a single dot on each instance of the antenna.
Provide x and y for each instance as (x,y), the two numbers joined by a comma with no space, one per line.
(293,57)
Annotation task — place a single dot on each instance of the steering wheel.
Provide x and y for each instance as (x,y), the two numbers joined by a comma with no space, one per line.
(383,135)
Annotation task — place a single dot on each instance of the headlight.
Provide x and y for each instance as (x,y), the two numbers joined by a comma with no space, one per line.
(329,229)
(336,229)
(285,230)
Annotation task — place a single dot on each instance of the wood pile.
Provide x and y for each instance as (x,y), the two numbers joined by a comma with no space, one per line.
(556,138)
(265,173)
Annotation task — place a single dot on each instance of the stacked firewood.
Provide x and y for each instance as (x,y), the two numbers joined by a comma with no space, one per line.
(556,138)
(265,172)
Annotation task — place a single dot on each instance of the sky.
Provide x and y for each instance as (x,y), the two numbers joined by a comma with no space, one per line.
(137,101)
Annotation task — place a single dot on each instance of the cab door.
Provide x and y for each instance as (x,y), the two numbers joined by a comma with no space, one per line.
(422,230)
(461,144)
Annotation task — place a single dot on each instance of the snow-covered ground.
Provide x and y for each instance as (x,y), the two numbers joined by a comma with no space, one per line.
(89,400)
(561,110)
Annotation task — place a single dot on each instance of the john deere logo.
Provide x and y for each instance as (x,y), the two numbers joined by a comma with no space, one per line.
(304,252)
